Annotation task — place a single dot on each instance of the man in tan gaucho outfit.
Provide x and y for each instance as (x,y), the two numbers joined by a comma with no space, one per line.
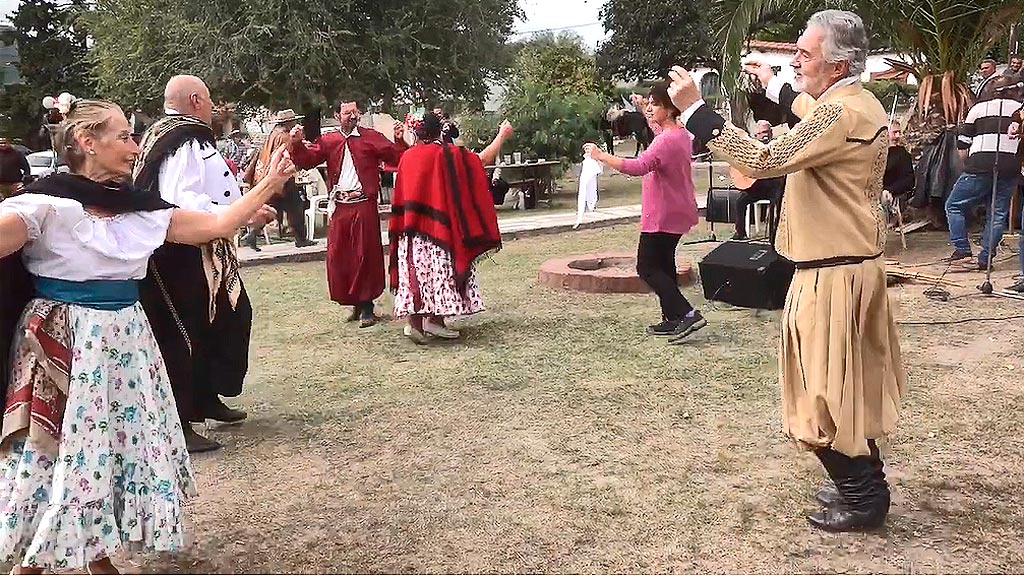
(839,360)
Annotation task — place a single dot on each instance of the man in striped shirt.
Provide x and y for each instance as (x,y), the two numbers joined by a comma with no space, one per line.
(988,152)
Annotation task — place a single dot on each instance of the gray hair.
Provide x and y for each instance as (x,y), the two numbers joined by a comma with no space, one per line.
(845,39)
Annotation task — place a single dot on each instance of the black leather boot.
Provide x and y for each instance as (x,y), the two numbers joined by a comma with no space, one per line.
(827,495)
(864,493)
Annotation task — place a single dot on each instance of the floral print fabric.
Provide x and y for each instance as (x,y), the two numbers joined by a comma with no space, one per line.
(426,282)
(121,473)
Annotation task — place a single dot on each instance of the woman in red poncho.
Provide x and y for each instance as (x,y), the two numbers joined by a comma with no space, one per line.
(442,220)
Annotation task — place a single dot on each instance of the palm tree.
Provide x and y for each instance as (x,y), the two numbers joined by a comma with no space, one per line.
(941,41)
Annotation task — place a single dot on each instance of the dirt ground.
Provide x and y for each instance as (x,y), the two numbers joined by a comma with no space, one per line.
(557,437)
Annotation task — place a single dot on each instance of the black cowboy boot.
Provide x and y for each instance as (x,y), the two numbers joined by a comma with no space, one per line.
(828,496)
(863,491)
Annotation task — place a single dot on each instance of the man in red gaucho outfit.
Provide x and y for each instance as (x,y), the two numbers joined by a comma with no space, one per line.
(355,254)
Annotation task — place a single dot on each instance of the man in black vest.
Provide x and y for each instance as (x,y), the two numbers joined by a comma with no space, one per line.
(194,297)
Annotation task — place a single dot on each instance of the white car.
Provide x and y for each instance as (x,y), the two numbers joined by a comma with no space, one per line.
(44,163)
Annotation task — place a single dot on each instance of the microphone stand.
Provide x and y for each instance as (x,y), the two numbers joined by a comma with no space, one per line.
(986,286)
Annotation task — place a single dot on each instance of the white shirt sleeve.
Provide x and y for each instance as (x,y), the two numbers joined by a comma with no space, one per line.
(182,179)
(774,89)
(685,116)
(33,210)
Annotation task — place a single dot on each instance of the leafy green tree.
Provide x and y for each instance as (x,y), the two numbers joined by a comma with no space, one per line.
(51,50)
(300,52)
(648,38)
(554,98)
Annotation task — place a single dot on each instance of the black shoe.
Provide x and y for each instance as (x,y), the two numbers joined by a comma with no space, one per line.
(196,444)
(1018,286)
(366,317)
(842,518)
(828,496)
(864,493)
(664,328)
(958,257)
(222,413)
(354,316)
(739,236)
(687,326)
(304,243)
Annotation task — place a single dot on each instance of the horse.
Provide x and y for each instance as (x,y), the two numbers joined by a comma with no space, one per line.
(623,123)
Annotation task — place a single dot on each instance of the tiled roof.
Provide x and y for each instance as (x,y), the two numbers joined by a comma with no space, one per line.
(773,46)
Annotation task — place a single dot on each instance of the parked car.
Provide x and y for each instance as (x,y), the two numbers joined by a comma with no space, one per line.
(44,163)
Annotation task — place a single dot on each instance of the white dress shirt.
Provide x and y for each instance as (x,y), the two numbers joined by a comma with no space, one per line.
(348,179)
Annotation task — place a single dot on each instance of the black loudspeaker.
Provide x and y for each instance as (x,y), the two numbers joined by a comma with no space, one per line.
(722,205)
(746,274)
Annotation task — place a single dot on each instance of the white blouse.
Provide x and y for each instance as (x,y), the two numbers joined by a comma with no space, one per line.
(68,243)
(196,177)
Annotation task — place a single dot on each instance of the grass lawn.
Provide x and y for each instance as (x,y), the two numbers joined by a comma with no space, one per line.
(556,437)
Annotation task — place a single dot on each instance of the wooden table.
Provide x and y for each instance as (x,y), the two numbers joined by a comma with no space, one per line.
(537,177)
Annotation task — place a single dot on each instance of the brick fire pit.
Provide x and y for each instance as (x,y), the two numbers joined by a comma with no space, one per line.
(605,273)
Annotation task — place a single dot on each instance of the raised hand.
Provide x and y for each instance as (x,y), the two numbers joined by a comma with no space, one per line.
(1013,131)
(505,130)
(281,166)
(399,131)
(683,91)
(295,136)
(591,150)
(763,72)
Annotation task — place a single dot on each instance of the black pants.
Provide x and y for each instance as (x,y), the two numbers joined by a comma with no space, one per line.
(770,190)
(656,265)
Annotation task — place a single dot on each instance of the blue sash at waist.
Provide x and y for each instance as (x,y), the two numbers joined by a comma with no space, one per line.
(96,294)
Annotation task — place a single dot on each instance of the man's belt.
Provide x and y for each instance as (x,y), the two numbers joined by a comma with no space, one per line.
(349,196)
(834,261)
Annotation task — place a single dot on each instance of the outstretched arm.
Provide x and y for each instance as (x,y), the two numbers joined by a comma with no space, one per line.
(193,227)
(648,161)
(490,154)
(817,139)
(306,157)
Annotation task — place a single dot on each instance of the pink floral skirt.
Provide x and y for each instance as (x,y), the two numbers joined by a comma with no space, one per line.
(426,282)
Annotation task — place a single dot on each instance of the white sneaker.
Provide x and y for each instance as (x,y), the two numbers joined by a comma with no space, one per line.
(415,335)
(439,330)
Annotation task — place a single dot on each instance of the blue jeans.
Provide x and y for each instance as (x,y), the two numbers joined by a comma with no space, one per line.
(971,190)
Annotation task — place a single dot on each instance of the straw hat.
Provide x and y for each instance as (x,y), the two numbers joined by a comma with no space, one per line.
(285,116)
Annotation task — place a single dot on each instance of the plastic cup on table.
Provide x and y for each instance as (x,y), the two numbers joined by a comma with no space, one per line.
(517,157)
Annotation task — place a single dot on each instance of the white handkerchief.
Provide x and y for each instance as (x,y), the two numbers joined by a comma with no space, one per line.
(586,200)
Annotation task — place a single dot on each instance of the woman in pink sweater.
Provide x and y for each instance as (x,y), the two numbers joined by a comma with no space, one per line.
(669,211)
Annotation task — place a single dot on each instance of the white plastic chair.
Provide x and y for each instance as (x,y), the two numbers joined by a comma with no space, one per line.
(318,204)
(758,215)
